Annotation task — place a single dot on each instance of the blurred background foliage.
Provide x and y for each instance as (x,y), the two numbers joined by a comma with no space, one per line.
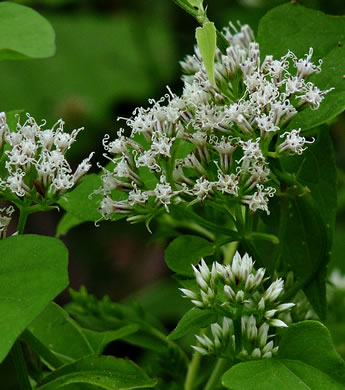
(113,55)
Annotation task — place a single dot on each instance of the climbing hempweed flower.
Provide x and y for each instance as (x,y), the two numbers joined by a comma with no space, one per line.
(214,142)
(35,161)
(238,292)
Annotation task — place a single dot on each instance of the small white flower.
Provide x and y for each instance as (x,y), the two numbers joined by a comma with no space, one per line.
(256,354)
(136,196)
(293,143)
(251,151)
(305,67)
(259,200)
(277,323)
(202,188)
(274,290)
(313,96)
(161,145)
(83,168)
(188,293)
(263,334)
(164,192)
(227,184)
(294,85)
(147,159)
(285,306)
(16,184)
(266,124)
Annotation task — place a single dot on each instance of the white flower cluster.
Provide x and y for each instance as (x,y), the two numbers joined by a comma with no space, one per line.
(215,141)
(239,290)
(35,160)
(222,340)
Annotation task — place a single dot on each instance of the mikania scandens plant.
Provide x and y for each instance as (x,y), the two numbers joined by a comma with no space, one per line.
(219,145)
(216,143)
(248,305)
(208,161)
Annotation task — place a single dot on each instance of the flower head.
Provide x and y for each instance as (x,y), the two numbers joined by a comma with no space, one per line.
(238,290)
(35,160)
(232,124)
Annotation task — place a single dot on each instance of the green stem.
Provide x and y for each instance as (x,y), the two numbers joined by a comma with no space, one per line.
(20,365)
(214,227)
(263,236)
(23,216)
(188,8)
(200,16)
(192,371)
(41,349)
(213,382)
(188,225)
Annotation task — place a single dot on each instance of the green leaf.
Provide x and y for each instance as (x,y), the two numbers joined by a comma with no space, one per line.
(81,204)
(147,341)
(293,27)
(181,148)
(24,33)
(105,372)
(206,38)
(69,341)
(306,360)
(316,169)
(310,342)
(99,340)
(277,374)
(304,246)
(66,223)
(56,330)
(193,321)
(185,251)
(149,178)
(33,271)
(105,315)
(162,300)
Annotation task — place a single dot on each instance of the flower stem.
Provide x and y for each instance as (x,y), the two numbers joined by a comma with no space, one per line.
(218,370)
(23,216)
(20,365)
(192,371)
(187,7)
(263,236)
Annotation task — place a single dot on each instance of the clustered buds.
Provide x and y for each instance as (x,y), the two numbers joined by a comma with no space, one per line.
(34,158)
(240,293)
(215,142)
